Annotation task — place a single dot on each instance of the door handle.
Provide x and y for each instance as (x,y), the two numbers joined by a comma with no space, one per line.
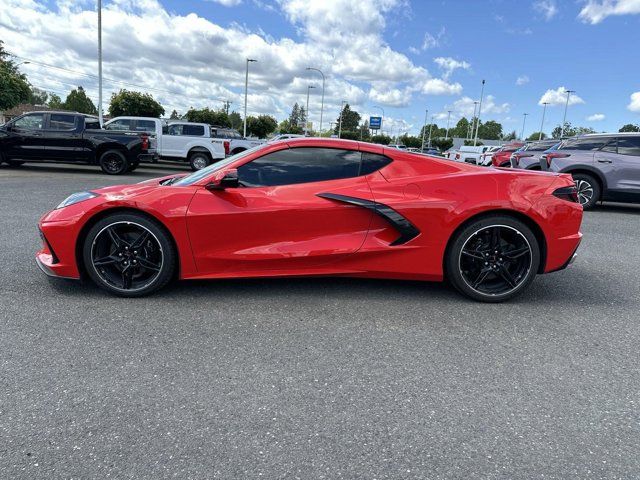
(604,161)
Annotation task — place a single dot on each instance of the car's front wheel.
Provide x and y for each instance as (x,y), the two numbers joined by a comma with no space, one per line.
(588,190)
(493,259)
(129,255)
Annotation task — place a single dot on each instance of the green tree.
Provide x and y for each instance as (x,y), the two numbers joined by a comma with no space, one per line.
(571,131)
(14,87)
(292,124)
(235,121)
(461,130)
(350,120)
(629,127)
(381,139)
(77,101)
(411,141)
(55,102)
(490,130)
(536,136)
(174,115)
(207,115)
(435,132)
(510,136)
(136,104)
(442,144)
(38,96)
(261,126)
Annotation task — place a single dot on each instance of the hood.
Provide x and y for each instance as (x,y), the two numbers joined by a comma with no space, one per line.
(116,192)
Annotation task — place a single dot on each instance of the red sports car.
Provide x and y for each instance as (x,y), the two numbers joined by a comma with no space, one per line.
(313,206)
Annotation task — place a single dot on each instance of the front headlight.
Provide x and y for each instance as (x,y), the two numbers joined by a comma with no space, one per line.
(76,198)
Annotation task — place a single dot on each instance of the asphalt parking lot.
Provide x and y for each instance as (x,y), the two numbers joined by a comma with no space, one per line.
(315,378)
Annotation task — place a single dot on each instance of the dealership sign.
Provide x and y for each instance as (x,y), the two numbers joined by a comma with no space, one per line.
(375,123)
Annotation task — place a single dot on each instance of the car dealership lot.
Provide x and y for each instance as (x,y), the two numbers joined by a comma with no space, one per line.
(315,378)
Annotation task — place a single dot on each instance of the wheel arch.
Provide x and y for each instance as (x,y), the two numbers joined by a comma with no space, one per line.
(82,235)
(528,221)
(199,149)
(105,147)
(588,170)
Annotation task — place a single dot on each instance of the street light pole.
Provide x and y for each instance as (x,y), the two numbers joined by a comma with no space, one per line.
(306,120)
(448,119)
(246,86)
(544,110)
(472,126)
(566,105)
(523,122)
(430,128)
(424,129)
(341,110)
(475,140)
(100,116)
(321,101)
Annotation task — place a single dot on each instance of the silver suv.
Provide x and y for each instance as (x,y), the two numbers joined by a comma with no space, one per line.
(605,166)
(528,157)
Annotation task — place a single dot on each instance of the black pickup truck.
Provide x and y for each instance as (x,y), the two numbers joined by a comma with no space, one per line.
(69,137)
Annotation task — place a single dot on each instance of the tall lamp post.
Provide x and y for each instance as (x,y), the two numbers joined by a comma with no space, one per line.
(544,110)
(524,120)
(430,128)
(306,120)
(100,116)
(321,101)
(246,86)
(475,139)
(566,105)
(472,125)
(448,119)
(341,110)
(424,129)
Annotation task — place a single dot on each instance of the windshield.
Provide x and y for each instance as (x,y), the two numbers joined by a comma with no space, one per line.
(200,174)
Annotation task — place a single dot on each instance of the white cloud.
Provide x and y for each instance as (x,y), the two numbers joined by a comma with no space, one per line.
(227,3)
(200,63)
(595,11)
(596,117)
(464,107)
(449,65)
(634,105)
(559,97)
(430,41)
(547,8)
(522,80)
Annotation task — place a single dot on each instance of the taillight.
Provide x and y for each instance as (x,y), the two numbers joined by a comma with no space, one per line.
(551,156)
(226,148)
(145,142)
(457,156)
(569,194)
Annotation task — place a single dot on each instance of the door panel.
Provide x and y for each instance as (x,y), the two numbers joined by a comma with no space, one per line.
(62,140)
(276,228)
(26,139)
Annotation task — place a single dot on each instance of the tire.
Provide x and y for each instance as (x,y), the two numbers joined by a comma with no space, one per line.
(133,166)
(15,163)
(471,258)
(199,160)
(589,190)
(113,162)
(129,255)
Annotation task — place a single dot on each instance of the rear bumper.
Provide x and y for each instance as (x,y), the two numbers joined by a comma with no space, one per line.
(570,260)
(148,157)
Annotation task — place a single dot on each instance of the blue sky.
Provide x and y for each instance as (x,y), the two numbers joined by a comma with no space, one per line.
(403,56)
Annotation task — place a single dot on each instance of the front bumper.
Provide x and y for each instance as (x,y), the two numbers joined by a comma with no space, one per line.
(59,260)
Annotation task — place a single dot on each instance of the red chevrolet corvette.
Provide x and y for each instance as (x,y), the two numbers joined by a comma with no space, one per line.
(320,207)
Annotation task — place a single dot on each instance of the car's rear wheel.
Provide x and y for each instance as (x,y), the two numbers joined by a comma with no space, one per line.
(493,259)
(588,190)
(199,160)
(129,255)
(113,162)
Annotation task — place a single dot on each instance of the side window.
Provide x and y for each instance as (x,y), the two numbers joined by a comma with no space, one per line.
(372,162)
(193,130)
(145,126)
(585,143)
(122,125)
(59,121)
(91,124)
(611,147)
(300,165)
(30,122)
(175,130)
(629,146)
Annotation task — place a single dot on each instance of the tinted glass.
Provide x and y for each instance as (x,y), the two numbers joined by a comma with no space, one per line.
(145,126)
(372,162)
(193,130)
(611,147)
(58,121)
(30,122)
(91,124)
(119,125)
(585,143)
(629,146)
(300,165)
(175,130)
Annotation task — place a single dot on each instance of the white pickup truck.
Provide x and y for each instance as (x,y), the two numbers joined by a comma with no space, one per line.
(237,143)
(177,141)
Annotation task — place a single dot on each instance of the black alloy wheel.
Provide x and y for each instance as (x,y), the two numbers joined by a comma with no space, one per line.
(129,255)
(493,259)
(113,162)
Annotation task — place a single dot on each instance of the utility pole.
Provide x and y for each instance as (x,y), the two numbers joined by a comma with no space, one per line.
(246,87)
(448,118)
(430,128)
(100,115)
(341,110)
(544,110)
(523,122)
(472,126)
(475,140)
(424,129)
(226,104)
(566,105)
(321,101)
(306,120)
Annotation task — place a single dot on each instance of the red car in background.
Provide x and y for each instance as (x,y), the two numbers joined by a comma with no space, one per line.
(502,158)
(313,206)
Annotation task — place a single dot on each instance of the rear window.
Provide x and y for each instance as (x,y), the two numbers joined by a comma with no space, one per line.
(585,144)
(59,121)
(145,126)
(629,146)
(193,130)
(121,124)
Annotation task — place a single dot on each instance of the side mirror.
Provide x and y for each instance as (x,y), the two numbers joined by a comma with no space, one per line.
(223,180)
